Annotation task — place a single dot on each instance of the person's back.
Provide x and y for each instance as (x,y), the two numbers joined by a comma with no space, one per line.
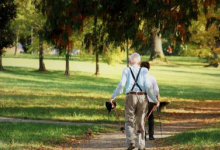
(155,87)
(137,87)
(151,103)
(130,80)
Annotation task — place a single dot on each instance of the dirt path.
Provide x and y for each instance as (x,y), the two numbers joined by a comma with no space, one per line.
(8,119)
(180,116)
(117,140)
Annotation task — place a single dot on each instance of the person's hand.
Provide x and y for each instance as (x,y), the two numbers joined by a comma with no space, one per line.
(158,104)
(111,100)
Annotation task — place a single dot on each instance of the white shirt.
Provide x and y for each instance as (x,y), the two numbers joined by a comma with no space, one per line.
(155,87)
(127,81)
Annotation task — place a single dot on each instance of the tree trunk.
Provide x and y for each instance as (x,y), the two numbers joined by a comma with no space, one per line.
(1,66)
(32,39)
(16,44)
(96,46)
(41,55)
(156,46)
(67,72)
(97,63)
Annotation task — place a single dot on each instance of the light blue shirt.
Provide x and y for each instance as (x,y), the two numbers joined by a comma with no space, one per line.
(143,81)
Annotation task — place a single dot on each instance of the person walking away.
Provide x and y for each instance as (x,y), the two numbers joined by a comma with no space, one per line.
(138,86)
(151,103)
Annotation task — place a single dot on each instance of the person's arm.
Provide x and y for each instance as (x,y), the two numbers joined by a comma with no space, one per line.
(155,85)
(121,85)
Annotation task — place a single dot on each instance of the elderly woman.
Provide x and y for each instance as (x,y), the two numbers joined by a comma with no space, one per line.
(138,86)
(151,102)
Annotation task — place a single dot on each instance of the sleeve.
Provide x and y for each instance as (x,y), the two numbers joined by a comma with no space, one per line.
(155,85)
(150,90)
(121,85)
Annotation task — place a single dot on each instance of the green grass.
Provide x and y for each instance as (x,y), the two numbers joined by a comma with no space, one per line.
(35,135)
(25,93)
(208,138)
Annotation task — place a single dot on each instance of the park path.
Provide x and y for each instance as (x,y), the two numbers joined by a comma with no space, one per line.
(180,117)
(9,119)
(116,141)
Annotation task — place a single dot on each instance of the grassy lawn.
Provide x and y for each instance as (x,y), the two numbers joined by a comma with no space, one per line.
(35,135)
(208,138)
(25,93)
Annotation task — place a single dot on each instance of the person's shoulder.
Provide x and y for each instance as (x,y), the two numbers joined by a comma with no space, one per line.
(144,70)
(126,69)
(152,77)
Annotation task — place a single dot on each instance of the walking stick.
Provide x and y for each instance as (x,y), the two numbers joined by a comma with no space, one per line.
(121,127)
(139,131)
(160,121)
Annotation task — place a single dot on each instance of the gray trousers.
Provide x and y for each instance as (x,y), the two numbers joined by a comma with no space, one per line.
(135,110)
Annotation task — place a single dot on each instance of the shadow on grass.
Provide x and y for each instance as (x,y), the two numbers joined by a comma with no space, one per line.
(194,72)
(73,114)
(189,92)
(78,80)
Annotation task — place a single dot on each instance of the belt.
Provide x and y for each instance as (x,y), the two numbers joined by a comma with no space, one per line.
(137,93)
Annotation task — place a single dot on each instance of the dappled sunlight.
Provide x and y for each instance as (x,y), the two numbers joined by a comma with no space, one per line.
(80,98)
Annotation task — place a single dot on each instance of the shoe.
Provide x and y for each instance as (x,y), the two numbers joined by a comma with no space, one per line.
(131,146)
(151,138)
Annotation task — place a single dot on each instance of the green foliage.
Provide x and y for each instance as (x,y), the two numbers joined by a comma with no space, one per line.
(28,17)
(114,55)
(8,13)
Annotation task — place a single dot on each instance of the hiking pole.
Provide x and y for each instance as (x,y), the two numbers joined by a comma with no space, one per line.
(121,127)
(160,121)
(139,131)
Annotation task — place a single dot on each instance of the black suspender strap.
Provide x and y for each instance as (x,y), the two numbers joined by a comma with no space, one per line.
(135,80)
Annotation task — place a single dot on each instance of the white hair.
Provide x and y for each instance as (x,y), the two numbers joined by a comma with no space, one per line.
(135,58)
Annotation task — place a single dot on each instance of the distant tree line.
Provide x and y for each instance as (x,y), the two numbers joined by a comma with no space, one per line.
(101,26)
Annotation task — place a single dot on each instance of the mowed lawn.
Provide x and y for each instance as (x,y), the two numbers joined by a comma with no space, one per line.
(25,93)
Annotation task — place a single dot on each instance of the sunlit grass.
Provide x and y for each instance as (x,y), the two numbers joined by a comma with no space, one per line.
(208,138)
(26,93)
(34,135)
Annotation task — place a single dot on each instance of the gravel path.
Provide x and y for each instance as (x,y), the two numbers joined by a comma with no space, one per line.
(116,141)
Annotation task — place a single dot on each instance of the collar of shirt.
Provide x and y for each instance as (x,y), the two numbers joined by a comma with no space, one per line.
(135,65)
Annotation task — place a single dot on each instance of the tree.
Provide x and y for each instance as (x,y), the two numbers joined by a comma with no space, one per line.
(63,18)
(125,18)
(8,12)
(25,25)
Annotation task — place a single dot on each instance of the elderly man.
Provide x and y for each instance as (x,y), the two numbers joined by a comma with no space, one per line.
(138,86)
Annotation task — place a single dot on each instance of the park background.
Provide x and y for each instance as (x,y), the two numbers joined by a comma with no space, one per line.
(58,66)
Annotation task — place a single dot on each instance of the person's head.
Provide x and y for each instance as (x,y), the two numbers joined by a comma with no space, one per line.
(146,65)
(135,59)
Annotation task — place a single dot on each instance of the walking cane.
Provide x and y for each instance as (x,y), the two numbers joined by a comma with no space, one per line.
(139,131)
(121,127)
(160,120)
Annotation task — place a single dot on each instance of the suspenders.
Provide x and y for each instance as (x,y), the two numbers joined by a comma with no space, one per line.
(135,80)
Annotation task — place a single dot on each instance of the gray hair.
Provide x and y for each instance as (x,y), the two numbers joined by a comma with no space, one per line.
(135,58)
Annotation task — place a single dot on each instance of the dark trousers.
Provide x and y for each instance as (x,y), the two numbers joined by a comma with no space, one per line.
(151,119)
